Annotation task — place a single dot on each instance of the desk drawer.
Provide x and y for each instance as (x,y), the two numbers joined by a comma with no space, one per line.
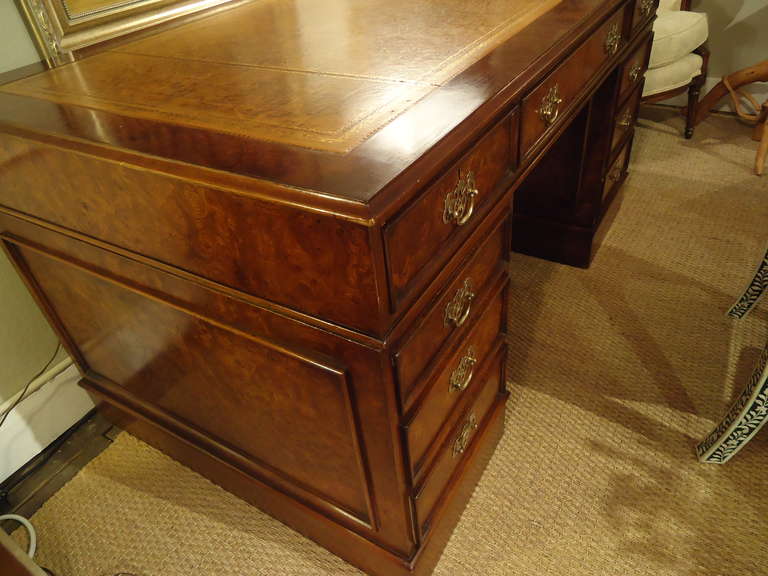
(452,312)
(642,12)
(427,231)
(618,169)
(543,108)
(625,119)
(313,262)
(460,440)
(457,378)
(634,69)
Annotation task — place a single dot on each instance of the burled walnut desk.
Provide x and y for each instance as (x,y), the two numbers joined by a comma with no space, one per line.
(274,237)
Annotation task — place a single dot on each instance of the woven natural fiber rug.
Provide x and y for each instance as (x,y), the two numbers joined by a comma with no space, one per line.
(615,372)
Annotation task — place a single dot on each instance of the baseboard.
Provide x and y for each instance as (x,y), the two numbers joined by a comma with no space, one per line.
(27,489)
(52,405)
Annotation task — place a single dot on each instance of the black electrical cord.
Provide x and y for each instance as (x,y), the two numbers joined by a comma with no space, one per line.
(28,384)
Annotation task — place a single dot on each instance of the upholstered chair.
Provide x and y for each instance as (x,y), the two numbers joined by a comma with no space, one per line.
(678,57)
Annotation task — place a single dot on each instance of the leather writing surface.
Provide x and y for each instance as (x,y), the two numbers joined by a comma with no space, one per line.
(314,74)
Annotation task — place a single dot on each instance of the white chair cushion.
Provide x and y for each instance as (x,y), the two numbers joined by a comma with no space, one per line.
(675,35)
(678,73)
(667,5)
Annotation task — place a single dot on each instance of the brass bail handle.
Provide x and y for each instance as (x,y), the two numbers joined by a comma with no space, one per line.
(626,119)
(460,202)
(462,375)
(549,109)
(458,309)
(646,7)
(615,174)
(613,40)
(462,440)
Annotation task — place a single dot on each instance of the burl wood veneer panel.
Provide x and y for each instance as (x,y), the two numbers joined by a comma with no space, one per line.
(241,390)
(314,74)
(229,236)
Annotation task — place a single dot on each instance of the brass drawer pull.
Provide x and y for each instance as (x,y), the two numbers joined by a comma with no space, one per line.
(615,173)
(646,7)
(457,310)
(462,375)
(462,440)
(612,40)
(626,119)
(460,202)
(550,106)
(634,73)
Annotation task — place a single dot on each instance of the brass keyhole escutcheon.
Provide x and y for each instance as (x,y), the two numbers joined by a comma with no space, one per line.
(634,73)
(549,109)
(460,202)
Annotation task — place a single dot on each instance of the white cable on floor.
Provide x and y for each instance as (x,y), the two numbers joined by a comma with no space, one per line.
(30,529)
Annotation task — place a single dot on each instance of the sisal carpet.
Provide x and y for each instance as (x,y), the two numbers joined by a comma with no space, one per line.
(615,373)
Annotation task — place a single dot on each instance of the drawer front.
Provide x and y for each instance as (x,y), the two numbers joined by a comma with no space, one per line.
(634,69)
(427,231)
(456,379)
(232,238)
(544,107)
(458,442)
(618,169)
(625,118)
(455,309)
(643,11)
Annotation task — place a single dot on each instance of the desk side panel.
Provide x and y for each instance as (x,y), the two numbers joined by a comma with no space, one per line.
(232,379)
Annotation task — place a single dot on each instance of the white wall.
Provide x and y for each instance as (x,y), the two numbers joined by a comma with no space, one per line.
(16,47)
(738,33)
(738,37)
(27,342)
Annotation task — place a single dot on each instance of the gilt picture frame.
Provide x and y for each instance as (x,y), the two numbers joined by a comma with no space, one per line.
(64,29)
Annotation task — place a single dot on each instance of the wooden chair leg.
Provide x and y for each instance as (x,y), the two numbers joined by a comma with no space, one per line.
(761,135)
(693,105)
(762,152)
(748,414)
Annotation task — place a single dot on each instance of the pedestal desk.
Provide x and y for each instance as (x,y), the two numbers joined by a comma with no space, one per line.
(274,237)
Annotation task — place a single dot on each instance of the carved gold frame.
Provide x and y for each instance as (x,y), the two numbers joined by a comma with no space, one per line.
(59,35)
